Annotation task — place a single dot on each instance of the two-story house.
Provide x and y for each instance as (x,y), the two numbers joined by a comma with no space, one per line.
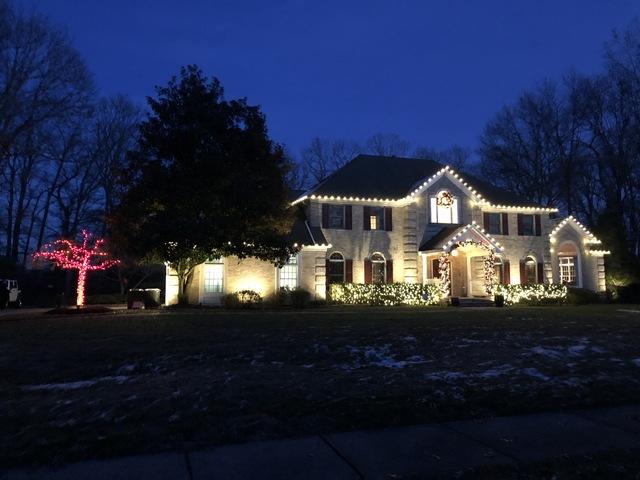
(388,219)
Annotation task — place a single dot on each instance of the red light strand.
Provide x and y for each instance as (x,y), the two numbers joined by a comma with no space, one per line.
(84,256)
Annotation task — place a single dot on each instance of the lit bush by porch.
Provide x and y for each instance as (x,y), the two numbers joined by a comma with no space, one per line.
(532,293)
(385,294)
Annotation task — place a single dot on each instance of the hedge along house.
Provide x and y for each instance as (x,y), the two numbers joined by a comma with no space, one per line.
(389,219)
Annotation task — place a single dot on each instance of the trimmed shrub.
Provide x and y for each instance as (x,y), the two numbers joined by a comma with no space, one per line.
(242,299)
(532,293)
(581,296)
(385,294)
(299,297)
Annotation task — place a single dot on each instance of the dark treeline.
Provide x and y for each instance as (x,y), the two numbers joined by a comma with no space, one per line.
(60,143)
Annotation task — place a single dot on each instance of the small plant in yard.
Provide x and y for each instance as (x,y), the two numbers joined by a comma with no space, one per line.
(385,294)
(300,297)
(243,299)
(532,294)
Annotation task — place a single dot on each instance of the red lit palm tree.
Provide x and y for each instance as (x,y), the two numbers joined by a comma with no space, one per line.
(84,256)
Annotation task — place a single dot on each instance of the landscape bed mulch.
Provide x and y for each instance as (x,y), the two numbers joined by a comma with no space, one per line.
(93,387)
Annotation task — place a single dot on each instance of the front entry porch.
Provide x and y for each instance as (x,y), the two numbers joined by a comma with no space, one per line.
(462,261)
(467,273)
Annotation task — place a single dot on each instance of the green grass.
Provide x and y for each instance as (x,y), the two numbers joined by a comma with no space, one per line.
(170,380)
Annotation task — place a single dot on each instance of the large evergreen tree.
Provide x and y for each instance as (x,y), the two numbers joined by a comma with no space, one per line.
(205,180)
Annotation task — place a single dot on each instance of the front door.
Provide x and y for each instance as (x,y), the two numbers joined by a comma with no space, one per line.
(458,275)
(476,277)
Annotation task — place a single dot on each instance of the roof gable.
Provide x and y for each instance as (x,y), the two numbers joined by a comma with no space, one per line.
(450,235)
(397,179)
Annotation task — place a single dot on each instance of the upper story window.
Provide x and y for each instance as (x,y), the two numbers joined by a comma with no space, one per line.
(529,224)
(496,223)
(288,274)
(336,216)
(444,208)
(377,218)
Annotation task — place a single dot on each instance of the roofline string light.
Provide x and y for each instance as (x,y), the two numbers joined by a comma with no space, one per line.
(476,227)
(591,239)
(478,198)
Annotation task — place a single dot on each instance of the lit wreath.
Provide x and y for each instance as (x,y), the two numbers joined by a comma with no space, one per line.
(444,199)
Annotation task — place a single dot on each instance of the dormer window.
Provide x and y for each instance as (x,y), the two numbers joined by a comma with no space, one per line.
(444,208)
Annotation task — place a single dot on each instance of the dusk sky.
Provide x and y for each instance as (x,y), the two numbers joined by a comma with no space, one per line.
(433,72)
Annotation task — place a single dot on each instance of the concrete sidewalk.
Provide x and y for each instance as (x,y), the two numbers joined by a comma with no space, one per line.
(425,450)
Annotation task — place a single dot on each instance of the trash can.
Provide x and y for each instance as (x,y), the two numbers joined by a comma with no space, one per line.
(151,298)
(135,298)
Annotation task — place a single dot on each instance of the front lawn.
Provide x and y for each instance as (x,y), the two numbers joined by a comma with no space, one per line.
(80,387)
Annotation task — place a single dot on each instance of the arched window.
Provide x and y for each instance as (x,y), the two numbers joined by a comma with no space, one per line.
(336,268)
(568,263)
(378,268)
(530,270)
(444,208)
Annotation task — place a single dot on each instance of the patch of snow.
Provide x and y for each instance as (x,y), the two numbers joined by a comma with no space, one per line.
(547,352)
(76,385)
(378,356)
(496,372)
(308,365)
(409,338)
(445,375)
(576,350)
(636,362)
(533,372)
(129,367)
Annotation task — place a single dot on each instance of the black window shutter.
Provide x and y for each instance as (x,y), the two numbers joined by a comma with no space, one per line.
(540,272)
(348,271)
(506,272)
(388,219)
(520,224)
(368,274)
(505,223)
(366,221)
(485,220)
(347,217)
(325,215)
(389,271)
(538,224)
(523,273)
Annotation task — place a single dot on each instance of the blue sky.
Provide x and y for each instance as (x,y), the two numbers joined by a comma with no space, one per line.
(433,72)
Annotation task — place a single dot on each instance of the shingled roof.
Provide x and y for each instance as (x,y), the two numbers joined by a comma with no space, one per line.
(373,176)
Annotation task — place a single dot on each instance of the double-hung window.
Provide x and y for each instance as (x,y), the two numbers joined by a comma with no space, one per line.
(376,218)
(288,274)
(214,276)
(567,270)
(336,216)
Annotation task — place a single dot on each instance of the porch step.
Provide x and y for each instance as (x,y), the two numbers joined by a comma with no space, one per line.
(472,302)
